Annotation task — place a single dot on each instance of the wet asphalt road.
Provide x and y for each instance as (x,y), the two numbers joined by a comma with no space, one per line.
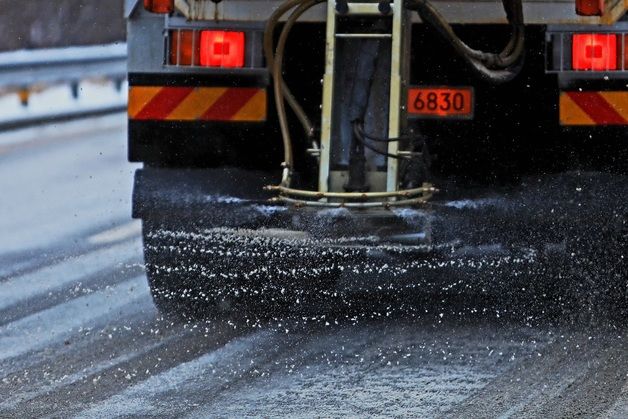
(79,335)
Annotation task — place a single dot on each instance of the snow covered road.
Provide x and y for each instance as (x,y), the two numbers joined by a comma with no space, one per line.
(79,335)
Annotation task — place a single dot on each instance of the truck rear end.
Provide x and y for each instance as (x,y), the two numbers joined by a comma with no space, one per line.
(309,145)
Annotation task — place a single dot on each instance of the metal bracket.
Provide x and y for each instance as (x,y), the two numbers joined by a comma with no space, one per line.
(397,71)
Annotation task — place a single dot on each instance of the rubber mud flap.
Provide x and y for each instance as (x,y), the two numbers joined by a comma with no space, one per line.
(161,191)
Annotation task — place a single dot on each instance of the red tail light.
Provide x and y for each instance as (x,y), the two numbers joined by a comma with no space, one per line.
(594,51)
(225,49)
(184,47)
(222,49)
(159,6)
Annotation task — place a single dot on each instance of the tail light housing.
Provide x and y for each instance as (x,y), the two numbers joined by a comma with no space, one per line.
(159,6)
(594,51)
(579,52)
(207,48)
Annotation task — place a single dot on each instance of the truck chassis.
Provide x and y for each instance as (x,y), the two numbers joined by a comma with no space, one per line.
(232,214)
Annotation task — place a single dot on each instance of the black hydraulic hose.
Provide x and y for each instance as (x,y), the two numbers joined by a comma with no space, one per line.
(277,76)
(274,60)
(380,139)
(360,138)
(357,167)
(511,52)
(270,62)
(496,68)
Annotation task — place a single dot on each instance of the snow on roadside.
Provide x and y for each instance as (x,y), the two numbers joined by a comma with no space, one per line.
(58,99)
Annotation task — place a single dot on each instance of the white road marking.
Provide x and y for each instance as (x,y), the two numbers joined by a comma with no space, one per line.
(209,371)
(116,234)
(72,270)
(80,375)
(43,328)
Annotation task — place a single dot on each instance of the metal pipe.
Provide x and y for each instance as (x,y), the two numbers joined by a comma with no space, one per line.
(270,62)
(351,195)
(277,76)
(386,204)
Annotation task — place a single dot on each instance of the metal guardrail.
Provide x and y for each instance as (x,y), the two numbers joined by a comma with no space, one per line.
(63,116)
(25,70)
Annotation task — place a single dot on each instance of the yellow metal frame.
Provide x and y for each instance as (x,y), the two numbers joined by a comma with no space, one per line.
(328,96)
(394,118)
(396,88)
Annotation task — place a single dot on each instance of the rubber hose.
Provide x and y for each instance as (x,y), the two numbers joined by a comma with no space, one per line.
(269,31)
(277,68)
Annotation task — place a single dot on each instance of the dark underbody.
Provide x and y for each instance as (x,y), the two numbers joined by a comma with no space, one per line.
(527,210)
(558,238)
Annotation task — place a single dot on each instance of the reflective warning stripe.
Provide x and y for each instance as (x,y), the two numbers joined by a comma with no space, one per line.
(163,103)
(139,97)
(228,104)
(593,108)
(251,109)
(197,103)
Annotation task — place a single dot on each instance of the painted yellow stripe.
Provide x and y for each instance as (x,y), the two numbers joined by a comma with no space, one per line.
(571,114)
(613,11)
(254,110)
(139,96)
(196,103)
(619,101)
